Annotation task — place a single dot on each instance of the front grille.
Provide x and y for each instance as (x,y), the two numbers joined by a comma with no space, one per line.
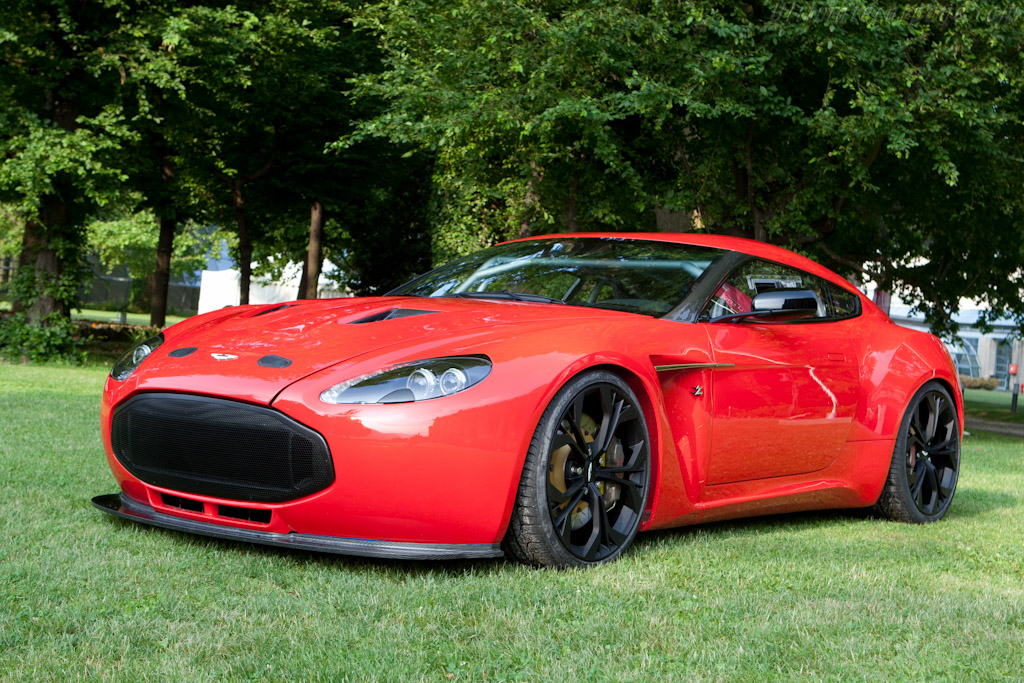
(220,448)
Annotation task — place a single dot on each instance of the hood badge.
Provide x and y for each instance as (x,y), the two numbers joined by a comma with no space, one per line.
(223,356)
(698,390)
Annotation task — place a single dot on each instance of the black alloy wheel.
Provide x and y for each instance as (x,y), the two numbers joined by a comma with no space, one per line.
(926,459)
(586,477)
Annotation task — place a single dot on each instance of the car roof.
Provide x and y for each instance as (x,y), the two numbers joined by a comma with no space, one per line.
(739,244)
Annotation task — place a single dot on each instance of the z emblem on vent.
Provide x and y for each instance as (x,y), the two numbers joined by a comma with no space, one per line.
(223,356)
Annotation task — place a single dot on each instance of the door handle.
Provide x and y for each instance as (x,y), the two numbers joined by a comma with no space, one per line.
(837,357)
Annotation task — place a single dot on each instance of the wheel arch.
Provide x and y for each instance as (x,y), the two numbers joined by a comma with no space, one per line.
(954,393)
(647,392)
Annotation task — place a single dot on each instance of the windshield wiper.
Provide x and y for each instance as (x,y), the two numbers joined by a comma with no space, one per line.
(513,296)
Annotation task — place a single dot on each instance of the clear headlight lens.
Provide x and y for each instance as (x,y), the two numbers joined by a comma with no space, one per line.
(419,381)
(126,365)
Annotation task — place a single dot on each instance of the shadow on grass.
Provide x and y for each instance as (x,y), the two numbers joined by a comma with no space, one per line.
(298,556)
(967,504)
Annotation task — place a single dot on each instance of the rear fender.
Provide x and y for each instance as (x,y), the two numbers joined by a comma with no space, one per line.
(891,376)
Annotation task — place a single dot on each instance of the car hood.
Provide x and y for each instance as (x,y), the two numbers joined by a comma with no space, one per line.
(254,352)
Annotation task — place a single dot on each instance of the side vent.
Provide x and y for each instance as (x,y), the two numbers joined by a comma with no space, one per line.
(390,314)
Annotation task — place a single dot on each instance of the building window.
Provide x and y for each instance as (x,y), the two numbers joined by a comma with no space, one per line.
(1003,351)
(965,355)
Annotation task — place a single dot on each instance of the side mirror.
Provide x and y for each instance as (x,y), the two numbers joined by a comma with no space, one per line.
(798,301)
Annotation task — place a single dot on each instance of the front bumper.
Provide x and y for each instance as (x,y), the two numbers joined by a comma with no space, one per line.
(121,506)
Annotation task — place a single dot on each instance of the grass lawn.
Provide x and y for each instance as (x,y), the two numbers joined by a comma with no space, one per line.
(993,405)
(115,316)
(833,596)
(107,316)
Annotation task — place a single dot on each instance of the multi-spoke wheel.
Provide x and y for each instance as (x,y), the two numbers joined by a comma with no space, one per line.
(925,461)
(585,480)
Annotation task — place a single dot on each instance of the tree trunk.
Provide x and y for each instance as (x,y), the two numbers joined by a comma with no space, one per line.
(41,257)
(883,293)
(882,299)
(44,235)
(162,274)
(40,260)
(244,242)
(303,279)
(315,253)
(47,270)
(667,220)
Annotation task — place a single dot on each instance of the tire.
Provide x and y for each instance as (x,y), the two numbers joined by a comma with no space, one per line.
(586,477)
(925,461)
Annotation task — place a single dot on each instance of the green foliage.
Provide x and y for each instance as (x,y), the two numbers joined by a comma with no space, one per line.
(384,238)
(53,338)
(63,131)
(130,241)
(28,286)
(11,229)
(883,139)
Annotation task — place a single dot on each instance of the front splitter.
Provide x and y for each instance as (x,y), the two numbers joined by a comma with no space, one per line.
(121,506)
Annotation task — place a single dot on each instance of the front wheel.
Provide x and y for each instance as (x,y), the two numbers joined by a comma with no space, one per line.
(586,477)
(926,460)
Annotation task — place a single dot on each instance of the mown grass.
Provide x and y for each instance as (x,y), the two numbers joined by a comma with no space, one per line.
(830,596)
(993,405)
(115,317)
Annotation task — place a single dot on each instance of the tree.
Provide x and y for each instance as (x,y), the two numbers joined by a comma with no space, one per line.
(61,130)
(265,93)
(883,139)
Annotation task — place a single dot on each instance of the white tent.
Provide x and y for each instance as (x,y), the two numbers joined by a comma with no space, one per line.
(220,288)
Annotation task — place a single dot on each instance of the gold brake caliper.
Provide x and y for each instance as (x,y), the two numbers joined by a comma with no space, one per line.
(560,462)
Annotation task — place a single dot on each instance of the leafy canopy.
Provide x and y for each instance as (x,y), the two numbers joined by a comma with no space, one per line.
(884,139)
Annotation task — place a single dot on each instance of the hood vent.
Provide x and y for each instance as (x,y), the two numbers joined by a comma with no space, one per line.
(390,314)
(271,310)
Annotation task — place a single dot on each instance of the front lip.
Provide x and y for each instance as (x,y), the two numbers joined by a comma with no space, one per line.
(121,506)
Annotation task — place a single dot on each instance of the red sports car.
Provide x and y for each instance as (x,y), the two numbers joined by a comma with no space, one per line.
(545,399)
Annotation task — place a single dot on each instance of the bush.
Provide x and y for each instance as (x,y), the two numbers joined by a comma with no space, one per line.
(51,339)
(989,383)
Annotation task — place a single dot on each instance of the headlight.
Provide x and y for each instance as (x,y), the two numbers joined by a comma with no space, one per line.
(408,382)
(124,367)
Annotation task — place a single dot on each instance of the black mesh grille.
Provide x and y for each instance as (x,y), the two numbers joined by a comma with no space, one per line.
(219,448)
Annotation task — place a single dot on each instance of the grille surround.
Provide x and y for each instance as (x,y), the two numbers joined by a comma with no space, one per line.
(219,448)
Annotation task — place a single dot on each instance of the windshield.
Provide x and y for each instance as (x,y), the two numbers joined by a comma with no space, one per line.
(636,276)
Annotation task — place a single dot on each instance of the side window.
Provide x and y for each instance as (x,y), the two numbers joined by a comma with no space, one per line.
(844,304)
(736,295)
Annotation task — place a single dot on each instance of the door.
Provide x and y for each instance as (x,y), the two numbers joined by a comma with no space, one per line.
(783,394)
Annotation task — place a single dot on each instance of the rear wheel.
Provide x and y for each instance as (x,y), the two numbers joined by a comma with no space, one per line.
(585,481)
(926,460)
